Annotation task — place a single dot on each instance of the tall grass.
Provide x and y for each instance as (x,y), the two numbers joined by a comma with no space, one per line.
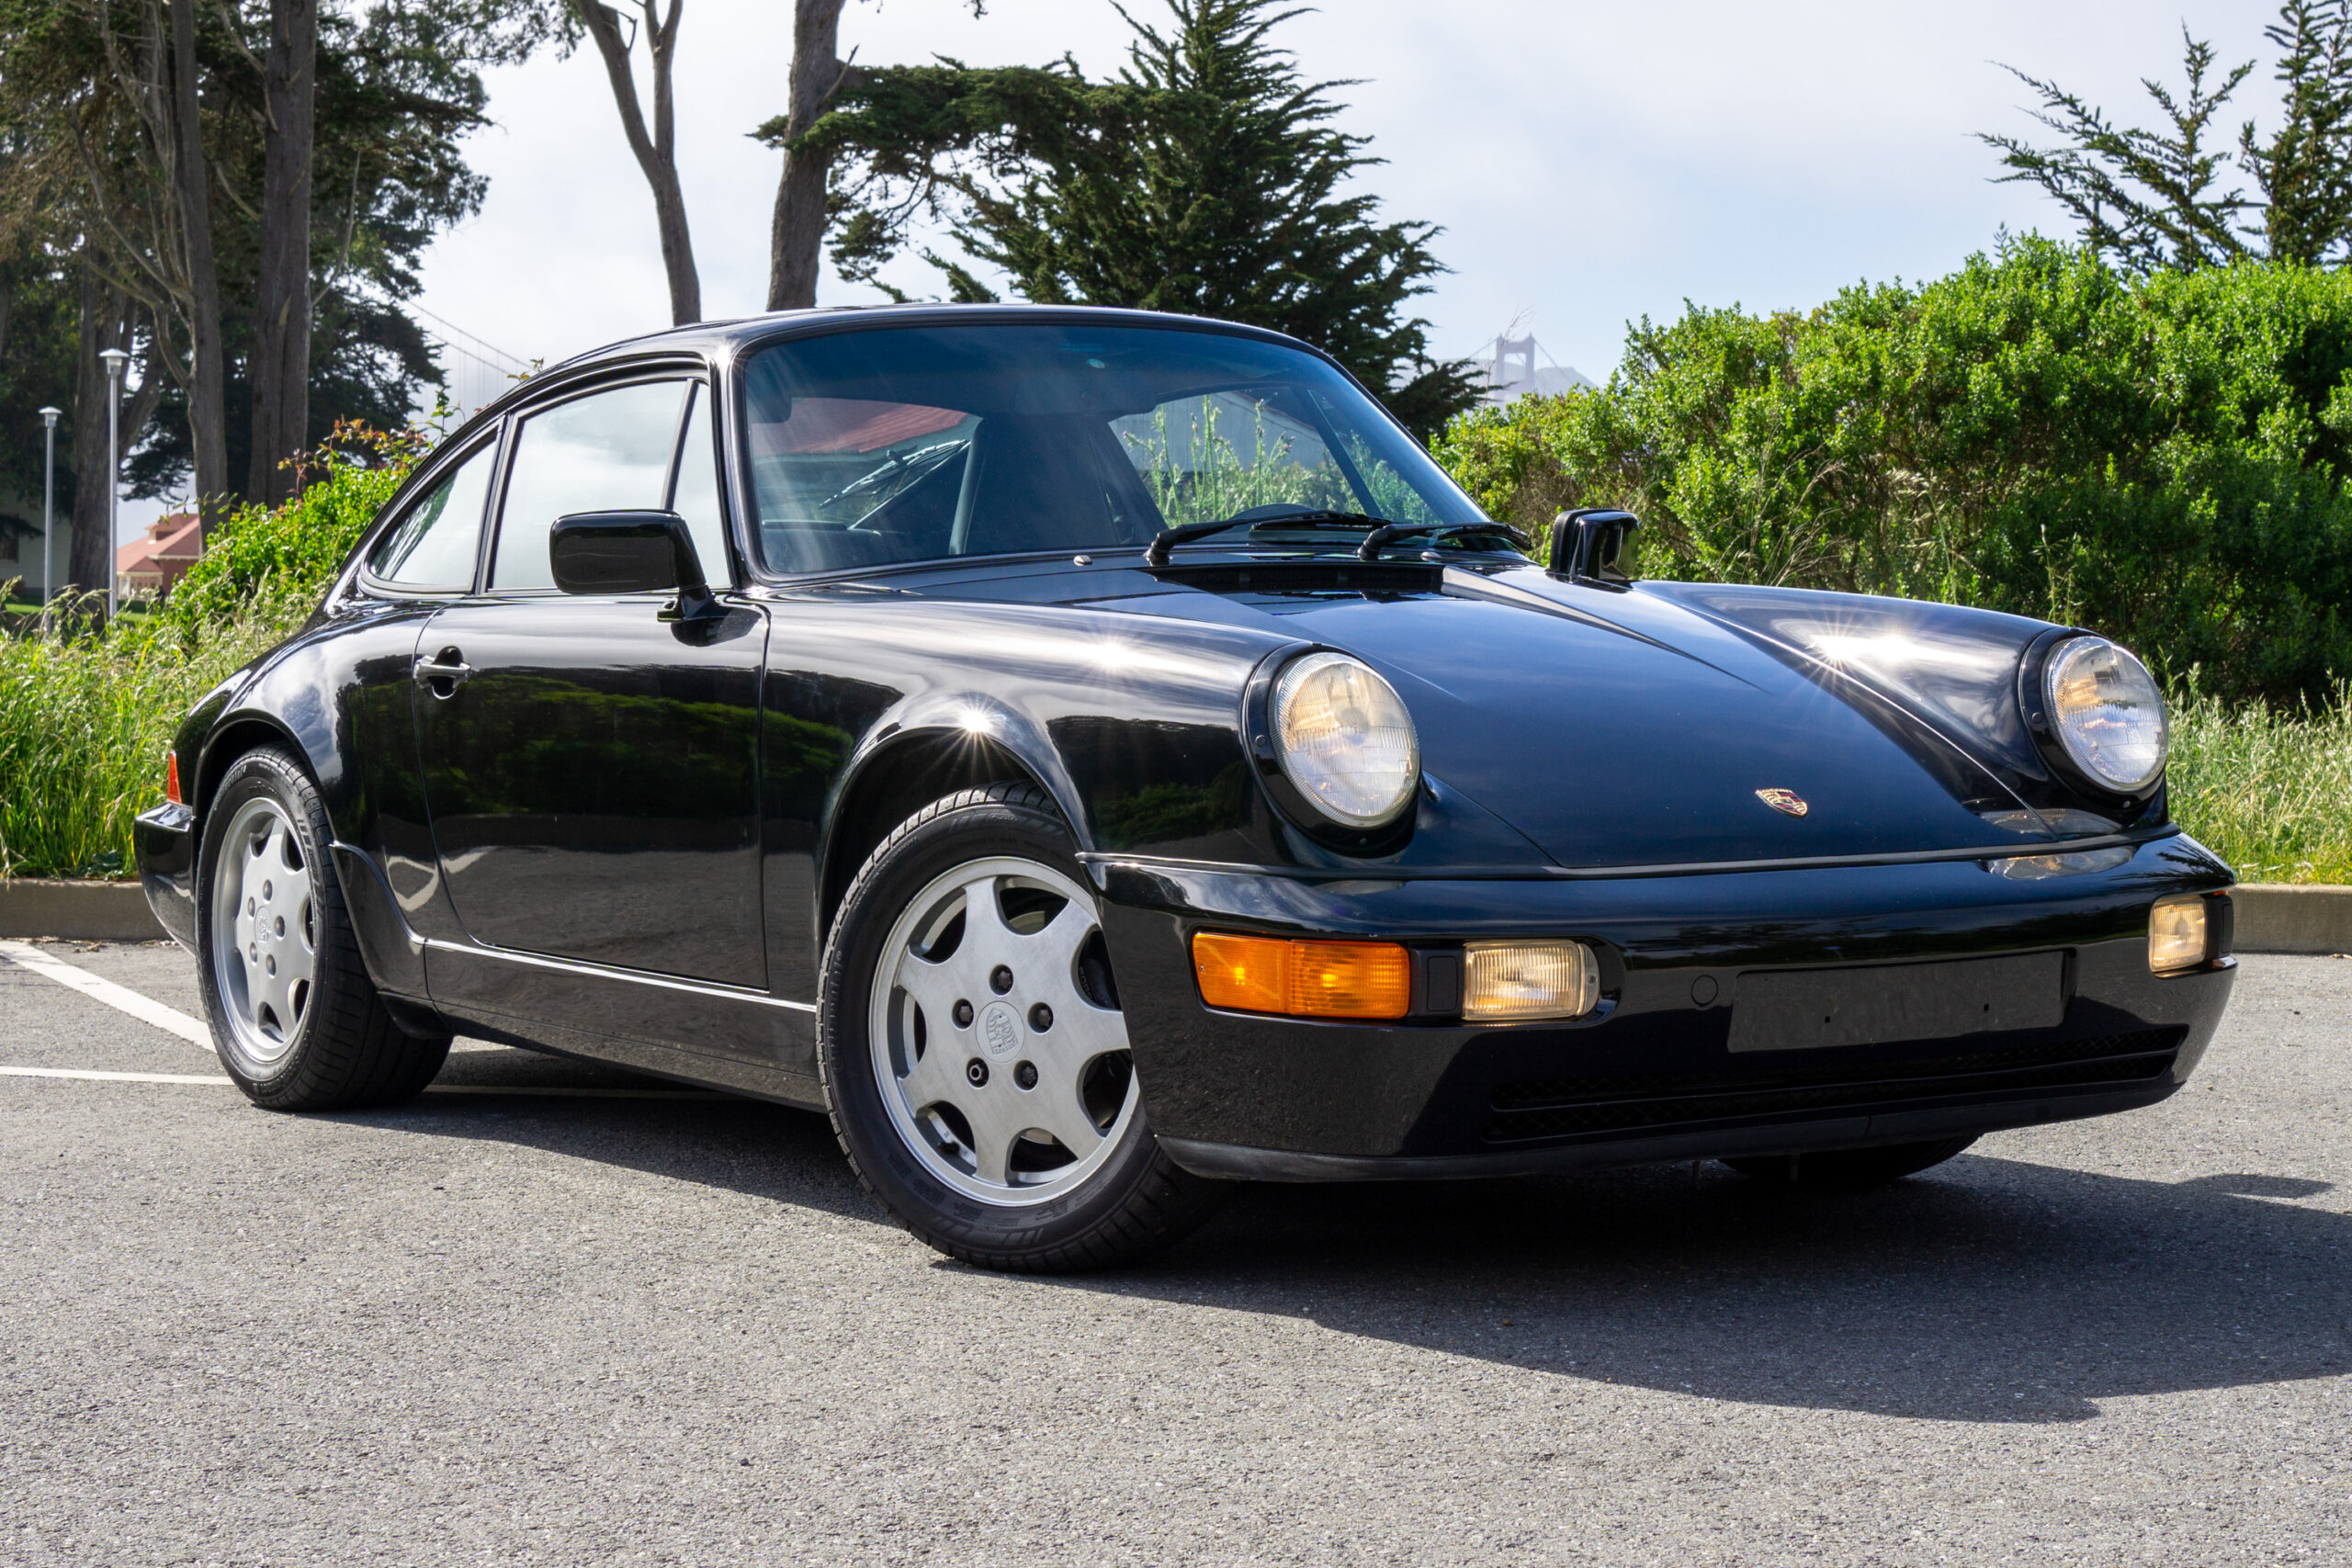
(86,715)
(86,719)
(2270,792)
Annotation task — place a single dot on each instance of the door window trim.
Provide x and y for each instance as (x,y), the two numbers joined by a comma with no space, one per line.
(689,374)
(368,582)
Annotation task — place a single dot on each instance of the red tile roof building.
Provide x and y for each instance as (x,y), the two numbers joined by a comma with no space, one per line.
(149,568)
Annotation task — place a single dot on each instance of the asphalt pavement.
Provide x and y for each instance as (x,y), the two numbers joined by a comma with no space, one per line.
(520,1324)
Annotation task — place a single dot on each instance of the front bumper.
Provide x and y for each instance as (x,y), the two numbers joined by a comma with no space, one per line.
(1648,1074)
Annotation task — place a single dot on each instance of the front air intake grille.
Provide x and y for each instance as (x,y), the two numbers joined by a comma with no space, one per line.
(1553,1108)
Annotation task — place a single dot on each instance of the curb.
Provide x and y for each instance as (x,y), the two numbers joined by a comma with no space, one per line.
(2271,916)
(81,911)
(2277,917)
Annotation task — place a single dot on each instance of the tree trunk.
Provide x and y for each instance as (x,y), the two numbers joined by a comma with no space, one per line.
(89,557)
(797,238)
(206,412)
(281,366)
(657,153)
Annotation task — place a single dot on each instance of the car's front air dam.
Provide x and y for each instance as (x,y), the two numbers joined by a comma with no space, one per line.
(1649,1074)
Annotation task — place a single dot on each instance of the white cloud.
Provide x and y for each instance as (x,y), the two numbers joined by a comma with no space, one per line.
(1589,164)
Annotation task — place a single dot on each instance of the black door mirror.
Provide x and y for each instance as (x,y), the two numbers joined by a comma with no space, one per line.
(627,552)
(1588,544)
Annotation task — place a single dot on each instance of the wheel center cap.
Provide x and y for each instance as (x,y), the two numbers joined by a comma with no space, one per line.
(1000,1029)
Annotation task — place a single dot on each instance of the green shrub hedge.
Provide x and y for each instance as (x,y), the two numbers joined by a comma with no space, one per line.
(2160,459)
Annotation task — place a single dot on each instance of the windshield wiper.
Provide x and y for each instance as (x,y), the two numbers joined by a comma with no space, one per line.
(1156,553)
(1389,532)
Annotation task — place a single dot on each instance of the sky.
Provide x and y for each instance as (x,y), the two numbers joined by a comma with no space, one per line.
(1589,165)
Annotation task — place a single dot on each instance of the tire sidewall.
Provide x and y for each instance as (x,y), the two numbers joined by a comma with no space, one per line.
(846,1061)
(268,774)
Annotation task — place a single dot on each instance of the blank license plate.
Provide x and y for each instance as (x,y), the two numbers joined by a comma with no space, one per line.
(1879,1004)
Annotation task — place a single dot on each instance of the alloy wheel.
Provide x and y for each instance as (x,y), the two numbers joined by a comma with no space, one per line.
(264,931)
(997,1039)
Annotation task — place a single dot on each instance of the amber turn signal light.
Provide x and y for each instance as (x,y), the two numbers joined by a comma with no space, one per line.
(1302,979)
(171,778)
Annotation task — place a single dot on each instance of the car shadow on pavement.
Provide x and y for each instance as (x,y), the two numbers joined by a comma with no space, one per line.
(748,1147)
(1991,1290)
(1986,1289)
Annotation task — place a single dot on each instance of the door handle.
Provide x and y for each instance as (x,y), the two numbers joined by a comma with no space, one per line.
(441,673)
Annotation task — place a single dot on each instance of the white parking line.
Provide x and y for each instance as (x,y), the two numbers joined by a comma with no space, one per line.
(214,1079)
(171,1020)
(122,998)
(542,1091)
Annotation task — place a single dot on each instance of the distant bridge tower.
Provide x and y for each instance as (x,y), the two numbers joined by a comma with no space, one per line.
(1512,370)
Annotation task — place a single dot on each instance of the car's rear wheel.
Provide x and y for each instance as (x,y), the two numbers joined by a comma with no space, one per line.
(1850,1169)
(975,1058)
(295,1019)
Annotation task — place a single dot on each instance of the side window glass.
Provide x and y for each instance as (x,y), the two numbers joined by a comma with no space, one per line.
(434,545)
(698,494)
(607,452)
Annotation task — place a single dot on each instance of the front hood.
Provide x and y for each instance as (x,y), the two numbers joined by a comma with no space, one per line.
(1626,729)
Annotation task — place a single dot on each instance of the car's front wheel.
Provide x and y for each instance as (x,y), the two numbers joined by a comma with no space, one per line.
(975,1057)
(295,1019)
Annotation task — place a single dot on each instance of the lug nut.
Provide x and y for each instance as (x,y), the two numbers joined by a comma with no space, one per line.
(1041,1017)
(1000,979)
(975,1072)
(1025,1074)
(963,1010)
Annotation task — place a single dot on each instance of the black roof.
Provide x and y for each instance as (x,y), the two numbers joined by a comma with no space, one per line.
(728,337)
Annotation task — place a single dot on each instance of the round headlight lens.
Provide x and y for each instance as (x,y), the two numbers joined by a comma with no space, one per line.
(2108,712)
(1345,739)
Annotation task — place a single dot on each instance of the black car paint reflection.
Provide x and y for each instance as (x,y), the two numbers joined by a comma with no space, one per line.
(624,835)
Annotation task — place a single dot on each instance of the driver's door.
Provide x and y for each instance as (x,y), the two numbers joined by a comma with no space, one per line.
(590,764)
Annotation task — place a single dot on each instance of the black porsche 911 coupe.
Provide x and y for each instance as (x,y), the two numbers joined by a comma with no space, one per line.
(1093,755)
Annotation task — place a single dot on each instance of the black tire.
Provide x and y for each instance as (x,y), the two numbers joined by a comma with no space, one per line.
(1850,1170)
(345,1053)
(1136,1200)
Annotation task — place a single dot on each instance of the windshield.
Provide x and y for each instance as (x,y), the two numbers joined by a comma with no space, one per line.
(913,443)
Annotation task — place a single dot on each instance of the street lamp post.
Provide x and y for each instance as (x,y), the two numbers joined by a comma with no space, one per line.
(48,509)
(116,359)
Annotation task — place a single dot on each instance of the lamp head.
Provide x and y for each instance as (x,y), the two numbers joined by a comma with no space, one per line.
(48,417)
(116,359)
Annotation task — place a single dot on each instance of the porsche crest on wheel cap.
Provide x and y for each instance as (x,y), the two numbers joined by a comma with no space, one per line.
(1786,800)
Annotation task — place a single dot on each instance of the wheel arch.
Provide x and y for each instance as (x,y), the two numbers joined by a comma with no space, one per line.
(230,739)
(901,776)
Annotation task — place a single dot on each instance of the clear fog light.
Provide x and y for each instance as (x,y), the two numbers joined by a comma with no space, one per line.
(1529,979)
(2177,934)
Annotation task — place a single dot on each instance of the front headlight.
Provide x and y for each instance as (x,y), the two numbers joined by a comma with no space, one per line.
(2107,712)
(1345,740)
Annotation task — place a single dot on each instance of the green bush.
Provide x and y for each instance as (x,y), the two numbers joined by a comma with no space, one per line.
(87,716)
(294,550)
(2163,461)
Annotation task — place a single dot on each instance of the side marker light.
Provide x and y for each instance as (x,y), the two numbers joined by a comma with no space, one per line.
(171,778)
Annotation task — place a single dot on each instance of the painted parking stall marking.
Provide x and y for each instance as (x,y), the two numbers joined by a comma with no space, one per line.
(172,1020)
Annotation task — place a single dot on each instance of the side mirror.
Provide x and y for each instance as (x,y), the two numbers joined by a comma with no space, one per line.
(629,552)
(1590,543)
